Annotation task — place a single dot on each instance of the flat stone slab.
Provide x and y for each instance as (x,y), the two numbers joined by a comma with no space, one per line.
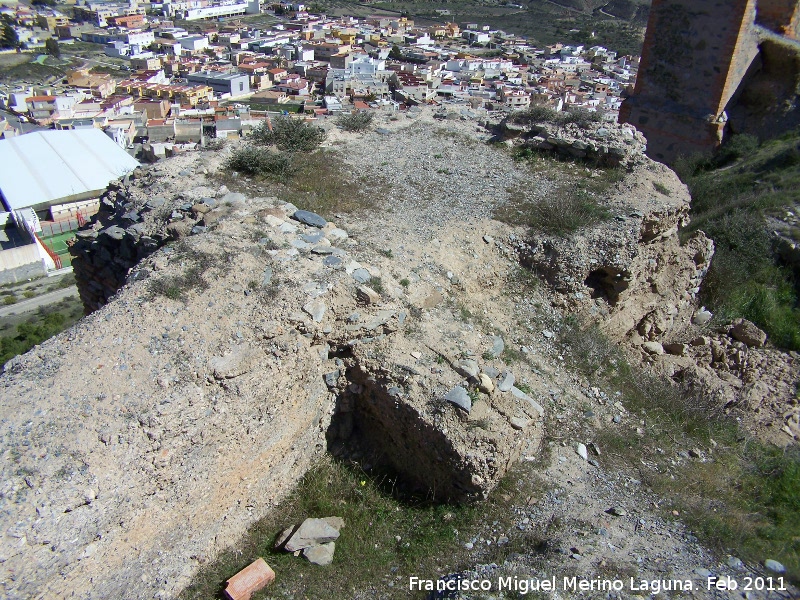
(320,555)
(309,218)
(238,362)
(312,532)
(518,393)
(459,396)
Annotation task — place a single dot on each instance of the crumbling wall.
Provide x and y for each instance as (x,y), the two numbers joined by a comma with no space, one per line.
(695,56)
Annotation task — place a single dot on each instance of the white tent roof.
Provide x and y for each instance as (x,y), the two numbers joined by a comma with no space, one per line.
(42,168)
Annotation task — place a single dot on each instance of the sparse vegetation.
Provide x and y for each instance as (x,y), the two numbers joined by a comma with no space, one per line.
(733,194)
(263,162)
(743,498)
(176,287)
(536,113)
(387,536)
(288,134)
(356,122)
(45,323)
(661,188)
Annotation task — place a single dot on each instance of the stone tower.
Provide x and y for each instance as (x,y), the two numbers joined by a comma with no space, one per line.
(695,55)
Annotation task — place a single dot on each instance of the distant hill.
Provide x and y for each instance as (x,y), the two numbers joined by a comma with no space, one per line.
(629,10)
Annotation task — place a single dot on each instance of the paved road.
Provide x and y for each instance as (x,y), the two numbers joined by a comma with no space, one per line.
(15,122)
(31,304)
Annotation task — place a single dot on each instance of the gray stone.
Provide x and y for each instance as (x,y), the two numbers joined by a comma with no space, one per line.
(617,511)
(312,532)
(491,371)
(284,535)
(485,385)
(114,232)
(186,206)
(361,275)
(312,238)
(197,229)
(336,234)
(735,563)
(653,348)
(677,349)
(233,198)
(506,382)
(383,131)
(468,368)
(131,216)
(774,566)
(459,396)
(238,362)
(336,522)
(332,261)
(701,572)
(498,345)
(156,202)
(518,393)
(299,244)
(309,218)
(488,239)
(267,279)
(315,308)
(548,334)
(331,378)
(320,555)
(367,295)
(210,202)
(518,423)
(322,250)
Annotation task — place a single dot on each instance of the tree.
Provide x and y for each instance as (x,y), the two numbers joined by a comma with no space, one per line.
(8,35)
(51,45)
(395,53)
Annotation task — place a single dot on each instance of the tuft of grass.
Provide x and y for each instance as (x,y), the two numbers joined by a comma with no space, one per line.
(405,282)
(563,215)
(543,114)
(176,287)
(661,188)
(387,252)
(376,283)
(262,162)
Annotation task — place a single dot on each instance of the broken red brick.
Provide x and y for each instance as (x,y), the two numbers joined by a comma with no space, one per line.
(250,579)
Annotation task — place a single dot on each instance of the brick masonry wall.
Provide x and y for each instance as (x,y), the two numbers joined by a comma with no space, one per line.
(695,56)
(782,16)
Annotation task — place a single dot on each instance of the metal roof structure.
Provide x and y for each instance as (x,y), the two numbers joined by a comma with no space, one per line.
(43,168)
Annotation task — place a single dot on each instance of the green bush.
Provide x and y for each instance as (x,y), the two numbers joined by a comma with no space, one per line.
(288,134)
(544,114)
(535,113)
(262,162)
(356,122)
(737,147)
(561,215)
(29,334)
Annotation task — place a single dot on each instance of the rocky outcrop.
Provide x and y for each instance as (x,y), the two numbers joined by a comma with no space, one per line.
(630,273)
(191,401)
(604,144)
